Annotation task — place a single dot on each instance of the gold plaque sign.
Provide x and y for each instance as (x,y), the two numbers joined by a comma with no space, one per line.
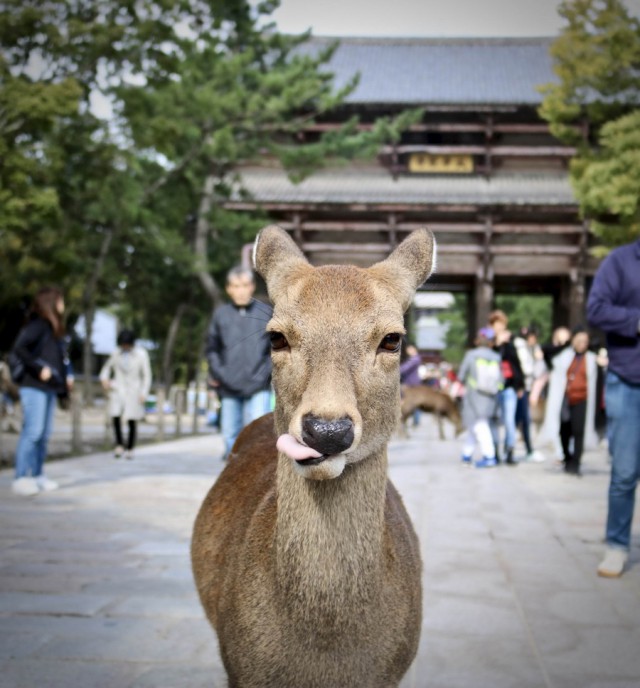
(440,164)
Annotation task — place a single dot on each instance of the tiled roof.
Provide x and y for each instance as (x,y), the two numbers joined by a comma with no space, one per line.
(473,71)
(338,187)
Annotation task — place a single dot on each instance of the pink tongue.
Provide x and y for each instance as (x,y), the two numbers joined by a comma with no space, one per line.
(290,446)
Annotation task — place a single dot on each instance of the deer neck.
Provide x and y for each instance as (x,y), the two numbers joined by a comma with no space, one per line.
(329,537)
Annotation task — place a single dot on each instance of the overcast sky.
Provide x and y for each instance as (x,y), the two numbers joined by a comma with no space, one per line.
(422,17)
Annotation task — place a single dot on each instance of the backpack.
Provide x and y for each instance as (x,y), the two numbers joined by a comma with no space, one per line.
(507,369)
(488,376)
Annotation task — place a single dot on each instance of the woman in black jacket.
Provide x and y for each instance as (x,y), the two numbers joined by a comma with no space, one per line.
(40,347)
(513,383)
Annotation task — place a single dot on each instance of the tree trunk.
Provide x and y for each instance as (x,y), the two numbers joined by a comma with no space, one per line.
(201,243)
(89,309)
(169,343)
(87,357)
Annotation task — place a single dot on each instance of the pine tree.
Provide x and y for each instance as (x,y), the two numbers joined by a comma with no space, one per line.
(594,106)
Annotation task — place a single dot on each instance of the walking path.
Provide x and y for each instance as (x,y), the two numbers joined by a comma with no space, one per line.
(96,589)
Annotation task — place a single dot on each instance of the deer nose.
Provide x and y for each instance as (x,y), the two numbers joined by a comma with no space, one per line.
(327,436)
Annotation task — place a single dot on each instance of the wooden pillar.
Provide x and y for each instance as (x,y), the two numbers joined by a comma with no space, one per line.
(392,232)
(569,308)
(482,302)
(576,304)
(578,290)
(483,284)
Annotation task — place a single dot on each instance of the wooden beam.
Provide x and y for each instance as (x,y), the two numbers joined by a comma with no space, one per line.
(526,249)
(469,127)
(499,151)
(321,247)
(418,207)
(447,249)
(452,227)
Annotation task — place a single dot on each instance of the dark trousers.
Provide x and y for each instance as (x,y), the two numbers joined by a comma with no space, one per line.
(117,428)
(523,420)
(573,428)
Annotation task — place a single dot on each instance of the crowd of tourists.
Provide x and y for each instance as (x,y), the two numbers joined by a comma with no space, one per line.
(509,380)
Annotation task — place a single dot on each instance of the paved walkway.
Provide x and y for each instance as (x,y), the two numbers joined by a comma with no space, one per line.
(96,589)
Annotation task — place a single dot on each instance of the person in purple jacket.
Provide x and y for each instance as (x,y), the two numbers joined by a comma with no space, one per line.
(409,373)
(614,307)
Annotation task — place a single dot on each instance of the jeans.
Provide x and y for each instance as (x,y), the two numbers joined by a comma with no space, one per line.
(38,408)
(240,411)
(523,419)
(508,404)
(622,401)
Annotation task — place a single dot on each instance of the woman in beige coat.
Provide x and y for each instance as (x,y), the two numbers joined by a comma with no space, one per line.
(127,378)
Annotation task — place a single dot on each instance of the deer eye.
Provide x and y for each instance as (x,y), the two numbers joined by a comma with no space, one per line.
(390,343)
(278,341)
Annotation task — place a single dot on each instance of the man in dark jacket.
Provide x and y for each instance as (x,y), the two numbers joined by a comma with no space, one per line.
(614,306)
(239,355)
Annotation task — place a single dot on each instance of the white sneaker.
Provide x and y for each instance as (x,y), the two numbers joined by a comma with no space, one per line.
(45,484)
(613,563)
(535,457)
(25,487)
(128,454)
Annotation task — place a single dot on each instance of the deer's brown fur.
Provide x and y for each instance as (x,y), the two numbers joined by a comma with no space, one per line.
(310,574)
(433,401)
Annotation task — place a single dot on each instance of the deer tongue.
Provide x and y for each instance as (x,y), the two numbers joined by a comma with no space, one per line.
(290,446)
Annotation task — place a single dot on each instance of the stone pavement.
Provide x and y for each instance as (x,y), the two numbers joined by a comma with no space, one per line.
(96,589)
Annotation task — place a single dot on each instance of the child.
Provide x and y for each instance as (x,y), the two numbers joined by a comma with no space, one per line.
(481,374)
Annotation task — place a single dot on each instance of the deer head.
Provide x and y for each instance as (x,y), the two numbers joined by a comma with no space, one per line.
(335,337)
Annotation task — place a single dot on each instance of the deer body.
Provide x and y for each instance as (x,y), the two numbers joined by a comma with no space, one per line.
(433,401)
(304,556)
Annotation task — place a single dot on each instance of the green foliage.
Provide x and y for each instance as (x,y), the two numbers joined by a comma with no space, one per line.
(115,210)
(457,337)
(597,61)
(524,310)
(608,180)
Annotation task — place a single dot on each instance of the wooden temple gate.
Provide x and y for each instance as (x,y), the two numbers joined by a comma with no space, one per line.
(481,169)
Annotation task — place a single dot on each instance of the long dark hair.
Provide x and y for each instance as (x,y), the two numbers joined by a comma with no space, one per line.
(45,305)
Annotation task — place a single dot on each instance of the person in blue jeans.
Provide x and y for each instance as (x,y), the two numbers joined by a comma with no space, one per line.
(614,307)
(40,346)
(513,384)
(239,354)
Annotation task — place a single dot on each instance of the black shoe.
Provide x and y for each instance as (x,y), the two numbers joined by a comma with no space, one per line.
(510,460)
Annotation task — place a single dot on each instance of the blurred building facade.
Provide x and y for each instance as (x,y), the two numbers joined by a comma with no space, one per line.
(480,168)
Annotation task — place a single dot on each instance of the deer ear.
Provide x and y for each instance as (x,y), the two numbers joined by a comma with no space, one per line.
(275,256)
(410,264)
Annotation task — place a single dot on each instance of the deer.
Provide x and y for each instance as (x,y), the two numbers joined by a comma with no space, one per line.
(304,557)
(429,400)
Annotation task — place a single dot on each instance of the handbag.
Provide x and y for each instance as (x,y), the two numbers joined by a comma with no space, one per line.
(507,369)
